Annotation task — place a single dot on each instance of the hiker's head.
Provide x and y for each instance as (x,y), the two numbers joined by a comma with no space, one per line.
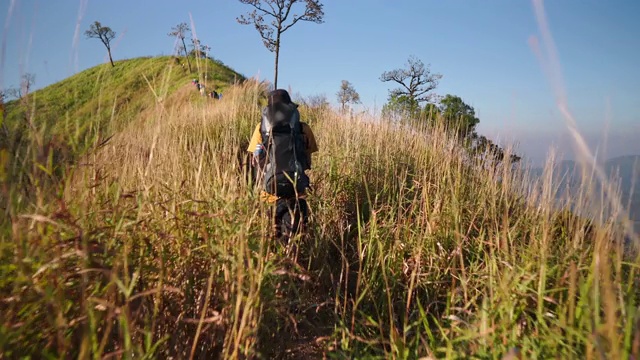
(280,107)
(279,96)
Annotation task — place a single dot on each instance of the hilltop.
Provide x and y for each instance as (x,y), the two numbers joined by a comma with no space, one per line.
(79,112)
(137,232)
(105,96)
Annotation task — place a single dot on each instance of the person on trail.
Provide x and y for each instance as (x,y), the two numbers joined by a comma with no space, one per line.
(281,147)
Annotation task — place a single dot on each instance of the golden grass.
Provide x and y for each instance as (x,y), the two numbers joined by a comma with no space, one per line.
(158,246)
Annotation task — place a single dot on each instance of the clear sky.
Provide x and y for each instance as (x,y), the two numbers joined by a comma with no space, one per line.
(481,47)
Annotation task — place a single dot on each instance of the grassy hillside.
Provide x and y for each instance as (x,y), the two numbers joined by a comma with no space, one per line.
(51,126)
(156,245)
(104,94)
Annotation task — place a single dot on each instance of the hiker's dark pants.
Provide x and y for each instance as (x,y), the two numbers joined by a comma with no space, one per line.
(290,215)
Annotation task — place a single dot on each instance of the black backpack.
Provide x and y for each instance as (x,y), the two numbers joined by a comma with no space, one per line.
(286,158)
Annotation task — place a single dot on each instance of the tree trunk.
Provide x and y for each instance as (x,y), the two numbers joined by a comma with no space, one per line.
(275,81)
(186,54)
(110,59)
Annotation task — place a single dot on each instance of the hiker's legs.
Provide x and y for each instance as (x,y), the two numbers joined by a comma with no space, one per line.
(290,218)
(301,212)
(280,216)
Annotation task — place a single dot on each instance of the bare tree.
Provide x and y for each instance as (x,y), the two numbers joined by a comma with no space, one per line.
(104,33)
(13,93)
(199,50)
(279,10)
(26,82)
(347,94)
(180,31)
(205,50)
(20,94)
(416,81)
(318,101)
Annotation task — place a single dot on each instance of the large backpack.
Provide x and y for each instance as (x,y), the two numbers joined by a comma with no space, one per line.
(286,159)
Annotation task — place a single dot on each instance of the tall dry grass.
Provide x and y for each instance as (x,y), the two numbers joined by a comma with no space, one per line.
(157,245)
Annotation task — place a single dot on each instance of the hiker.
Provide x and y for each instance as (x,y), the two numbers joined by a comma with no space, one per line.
(214,94)
(282,146)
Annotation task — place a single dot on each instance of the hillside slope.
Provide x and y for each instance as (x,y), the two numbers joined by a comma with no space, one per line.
(104,96)
(67,118)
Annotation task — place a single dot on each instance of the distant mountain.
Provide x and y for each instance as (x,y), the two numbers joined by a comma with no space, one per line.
(622,171)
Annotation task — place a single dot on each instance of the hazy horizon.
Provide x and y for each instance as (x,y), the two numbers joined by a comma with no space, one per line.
(537,147)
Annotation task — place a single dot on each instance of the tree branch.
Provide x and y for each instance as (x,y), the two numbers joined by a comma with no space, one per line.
(256,5)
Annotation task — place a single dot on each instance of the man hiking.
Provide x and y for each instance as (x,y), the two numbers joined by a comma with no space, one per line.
(282,146)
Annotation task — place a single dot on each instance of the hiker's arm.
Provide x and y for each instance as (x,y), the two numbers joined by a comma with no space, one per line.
(256,138)
(309,141)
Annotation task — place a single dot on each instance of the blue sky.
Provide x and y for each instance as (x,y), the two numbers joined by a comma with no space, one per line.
(479,46)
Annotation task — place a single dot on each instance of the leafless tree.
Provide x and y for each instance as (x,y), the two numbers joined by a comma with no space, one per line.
(206,50)
(416,81)
(20,94)
(104,33)
(180,31)
(317,101)
(26,82)
(347,94)
(280,11)
(199,50)
(13,93)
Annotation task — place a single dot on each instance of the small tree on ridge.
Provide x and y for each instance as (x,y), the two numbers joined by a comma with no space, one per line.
(416,82)
(458,116)
(180,31)
(104,33)
(26,82)
(280,11)
(347,94)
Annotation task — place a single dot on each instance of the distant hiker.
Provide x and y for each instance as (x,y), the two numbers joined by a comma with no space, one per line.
(214,94)
(282,146)
(202,92)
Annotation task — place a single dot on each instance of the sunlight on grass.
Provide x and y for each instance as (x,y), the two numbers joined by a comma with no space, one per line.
(149,240)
